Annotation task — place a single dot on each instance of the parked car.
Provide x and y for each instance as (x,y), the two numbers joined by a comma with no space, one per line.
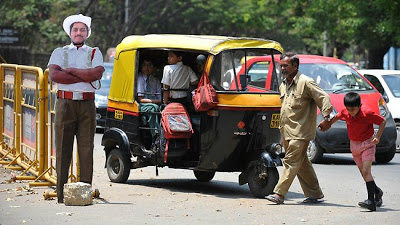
(101,96)
(337,78)
(388,84)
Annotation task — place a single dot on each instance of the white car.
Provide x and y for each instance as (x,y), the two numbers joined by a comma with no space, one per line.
(388,84)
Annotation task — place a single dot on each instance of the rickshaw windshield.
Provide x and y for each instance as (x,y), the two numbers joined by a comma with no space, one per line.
(232,71)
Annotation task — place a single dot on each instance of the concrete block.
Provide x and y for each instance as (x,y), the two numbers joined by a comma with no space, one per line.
(78,194)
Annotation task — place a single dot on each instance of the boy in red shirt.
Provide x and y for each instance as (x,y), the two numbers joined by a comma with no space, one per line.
(362,143)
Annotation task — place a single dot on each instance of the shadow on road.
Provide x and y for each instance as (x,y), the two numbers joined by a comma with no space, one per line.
(104,201)
(347,159)
(322,204)
(337,159)
(224,189)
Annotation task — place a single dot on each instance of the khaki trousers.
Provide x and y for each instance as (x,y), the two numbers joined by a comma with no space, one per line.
(297,163)
(74,119)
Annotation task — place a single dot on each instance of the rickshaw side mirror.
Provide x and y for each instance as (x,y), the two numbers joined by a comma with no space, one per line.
(243,81)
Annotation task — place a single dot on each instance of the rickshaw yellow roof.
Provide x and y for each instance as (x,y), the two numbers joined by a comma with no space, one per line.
(122,83)
(208,43)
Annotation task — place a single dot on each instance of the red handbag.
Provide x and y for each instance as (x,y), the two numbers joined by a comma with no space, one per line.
(205,96)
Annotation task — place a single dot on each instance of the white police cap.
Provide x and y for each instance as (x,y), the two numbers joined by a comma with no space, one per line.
(76,18)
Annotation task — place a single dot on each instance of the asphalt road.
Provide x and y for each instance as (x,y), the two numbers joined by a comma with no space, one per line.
(175,197)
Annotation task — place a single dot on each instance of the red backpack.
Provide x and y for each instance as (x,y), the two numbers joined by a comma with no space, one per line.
(176,123)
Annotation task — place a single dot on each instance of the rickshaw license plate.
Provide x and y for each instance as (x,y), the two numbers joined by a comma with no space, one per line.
(274,121)
(119,115)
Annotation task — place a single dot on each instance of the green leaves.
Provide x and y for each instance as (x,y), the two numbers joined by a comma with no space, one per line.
(298,25)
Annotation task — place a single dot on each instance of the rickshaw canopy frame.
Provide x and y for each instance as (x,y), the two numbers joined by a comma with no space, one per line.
(126,52)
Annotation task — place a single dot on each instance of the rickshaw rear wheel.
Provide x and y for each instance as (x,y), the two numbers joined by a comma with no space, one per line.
(203,176)
(261,186)
(118,166)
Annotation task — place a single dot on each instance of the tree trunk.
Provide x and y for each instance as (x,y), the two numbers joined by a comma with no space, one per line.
(375,57)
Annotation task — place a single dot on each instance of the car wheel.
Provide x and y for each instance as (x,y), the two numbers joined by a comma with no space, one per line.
(203,176)
(118,166)
(398,136)
(387,156)
(314,152)
(261,186)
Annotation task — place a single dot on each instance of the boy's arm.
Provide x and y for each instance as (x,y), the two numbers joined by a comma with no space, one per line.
(324,125)
(379,133)
(165,94)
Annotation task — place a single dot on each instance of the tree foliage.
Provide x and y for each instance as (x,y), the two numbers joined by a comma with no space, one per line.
(298,25)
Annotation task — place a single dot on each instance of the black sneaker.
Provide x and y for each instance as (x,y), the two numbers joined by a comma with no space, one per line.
(378,198)
(368,204)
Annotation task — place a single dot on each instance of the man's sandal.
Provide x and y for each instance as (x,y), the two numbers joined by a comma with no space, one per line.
(274,199)
(313,200)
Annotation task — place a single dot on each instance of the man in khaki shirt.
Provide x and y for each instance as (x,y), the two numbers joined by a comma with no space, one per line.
(300,97)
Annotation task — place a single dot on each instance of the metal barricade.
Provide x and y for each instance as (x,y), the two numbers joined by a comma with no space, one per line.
(24,88)
(27,116)
(32,111)
(49,137)
(8,148)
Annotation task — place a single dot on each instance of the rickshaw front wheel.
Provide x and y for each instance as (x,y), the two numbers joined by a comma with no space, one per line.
(203,176)
(261,185)
(118,166)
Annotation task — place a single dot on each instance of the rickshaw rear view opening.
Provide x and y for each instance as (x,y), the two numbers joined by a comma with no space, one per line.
(240,134)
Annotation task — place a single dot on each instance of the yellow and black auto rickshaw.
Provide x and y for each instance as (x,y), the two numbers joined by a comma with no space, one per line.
(240,134)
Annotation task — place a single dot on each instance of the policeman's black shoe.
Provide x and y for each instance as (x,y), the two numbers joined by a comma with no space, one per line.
(368,204)
(378,198)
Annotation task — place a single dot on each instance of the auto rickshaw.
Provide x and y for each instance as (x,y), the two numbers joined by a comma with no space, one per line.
(240,134)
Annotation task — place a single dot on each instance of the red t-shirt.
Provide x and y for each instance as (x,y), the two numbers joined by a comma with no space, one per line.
(360,127)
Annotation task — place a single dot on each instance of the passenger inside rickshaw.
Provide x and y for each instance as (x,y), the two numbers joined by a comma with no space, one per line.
(177,76)
(152,63)
(160,60)
(149,96)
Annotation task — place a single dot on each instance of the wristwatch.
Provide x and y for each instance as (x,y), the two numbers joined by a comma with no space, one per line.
(327,118)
